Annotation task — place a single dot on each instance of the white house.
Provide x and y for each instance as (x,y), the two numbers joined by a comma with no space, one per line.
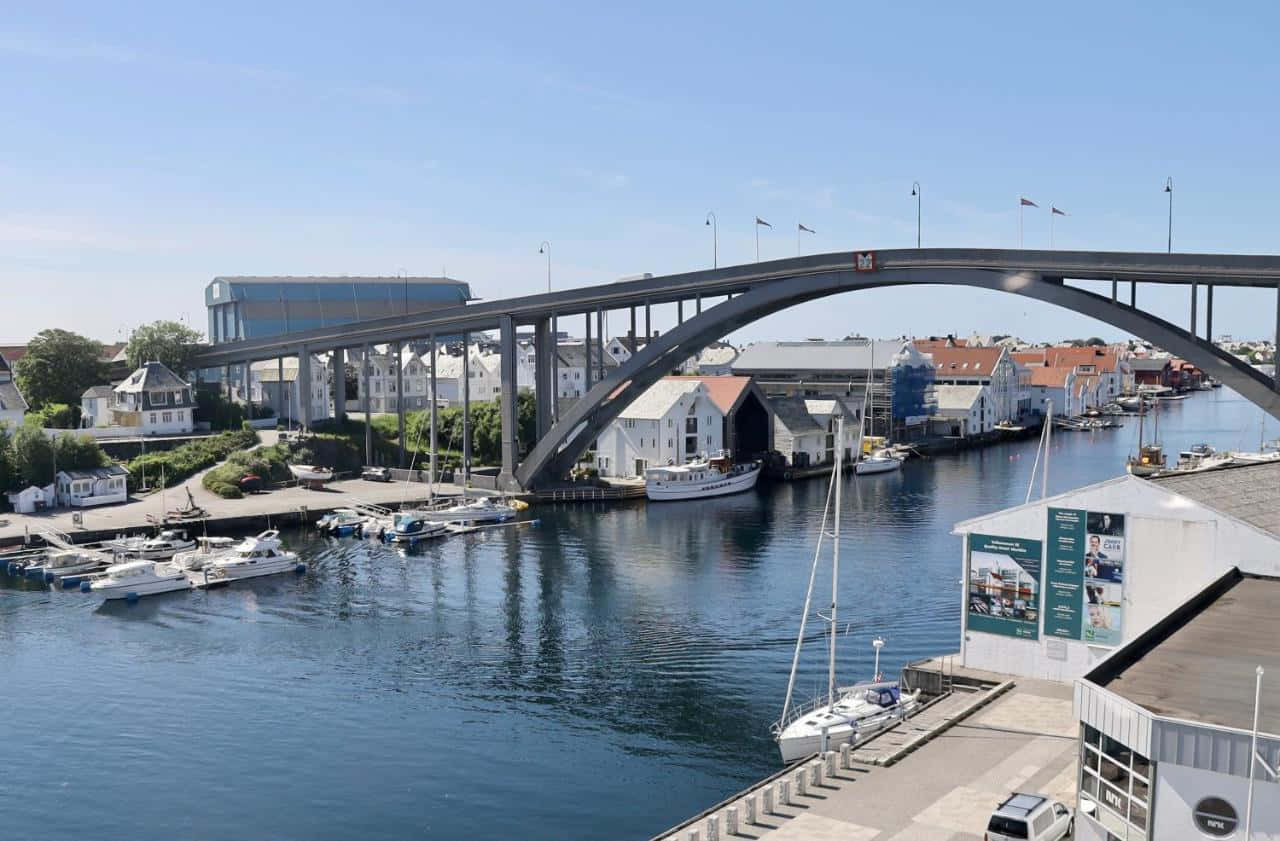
(804,429)
(94,486)
(1057,385)
(963,411)
(382,380)
(155,401)
(571,366)
(13,407)
(266,387)
(673,422)
(988,366)
(95,406)
(30,499)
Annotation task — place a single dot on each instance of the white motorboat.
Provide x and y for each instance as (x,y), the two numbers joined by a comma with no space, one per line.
(846,714)
(208,549)
(252,557)
(61,563)
(881,461)
(162,547)
(412,526)
(700,479)
(310,473)
(342,521)
(134,579)
(482,510)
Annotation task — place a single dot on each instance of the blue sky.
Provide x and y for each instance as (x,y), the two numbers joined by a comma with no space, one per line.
(147,148)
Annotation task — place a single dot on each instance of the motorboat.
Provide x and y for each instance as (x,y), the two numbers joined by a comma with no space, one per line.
(162,547)
(482,510)
(1194,457)
(845,714)
(65,562)
(860,712)
(700,479)
(412,526)
(311,474)
(342,522)
(208,549)
(881,461)
(252,557)
(134,579)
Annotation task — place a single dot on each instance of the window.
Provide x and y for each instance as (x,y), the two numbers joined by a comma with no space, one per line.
(153,417)
(167,417)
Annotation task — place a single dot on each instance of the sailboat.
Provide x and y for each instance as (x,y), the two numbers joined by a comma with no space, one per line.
(1150,459)
(881,461)
(845,714)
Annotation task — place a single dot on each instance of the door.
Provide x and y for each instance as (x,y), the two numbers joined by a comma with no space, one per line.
(1061,820)
(639,467)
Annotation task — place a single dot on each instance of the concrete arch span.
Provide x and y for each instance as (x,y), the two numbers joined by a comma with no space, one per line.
(556,453)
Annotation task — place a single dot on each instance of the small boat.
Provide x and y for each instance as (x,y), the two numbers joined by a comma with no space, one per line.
(1150,459)
(482,510)
(207,550)
(701,479)
(845,714)
(882,461)
(162,547)
(311,474)
(342,522)
(412,526)
(134,579)
(251,558)
(1174,397)
(65,562)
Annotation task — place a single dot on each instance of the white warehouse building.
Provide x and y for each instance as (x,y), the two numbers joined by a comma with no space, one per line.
(673,422)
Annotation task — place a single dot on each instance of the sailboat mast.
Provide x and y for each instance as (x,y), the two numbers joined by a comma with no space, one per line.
(835,560)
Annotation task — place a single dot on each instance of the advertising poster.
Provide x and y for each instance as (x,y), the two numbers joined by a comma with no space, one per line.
(1084,581)
(1004,585)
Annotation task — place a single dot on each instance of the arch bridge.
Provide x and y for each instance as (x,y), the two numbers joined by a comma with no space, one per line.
(713,303)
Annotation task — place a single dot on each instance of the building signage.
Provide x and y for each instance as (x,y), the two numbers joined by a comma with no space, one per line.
(1084,579)
(1004,585)
(1215,817)
(864,261)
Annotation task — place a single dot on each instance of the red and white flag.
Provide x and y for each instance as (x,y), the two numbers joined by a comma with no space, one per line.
(1054,210)
(1026,202)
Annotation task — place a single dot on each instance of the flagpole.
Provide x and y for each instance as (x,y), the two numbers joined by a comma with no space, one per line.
(1051,215)
(1020,205)
(757,240)
(1253,755)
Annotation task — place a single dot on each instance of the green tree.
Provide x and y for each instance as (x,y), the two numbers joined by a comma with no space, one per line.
(79,452)
(55,416)
(8,474)
(32,455)
(168,342)
(58,367)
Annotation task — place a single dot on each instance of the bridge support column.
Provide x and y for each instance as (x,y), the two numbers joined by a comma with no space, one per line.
(1195,296)
(544,383)
(400,397)
(586,347)
(508,401)
(247,370)
(466,410)
(552,349)
(1133,294)
(634,345)
(431,477)
(280,401)
(1114,285)
(226,383)
(600,333)
(648,328)
(1276,378)
(338,362)
(679,312)
(302,389)
(1208,312)
(698,303)
(364,403)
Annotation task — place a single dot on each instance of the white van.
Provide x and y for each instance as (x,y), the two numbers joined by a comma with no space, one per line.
(1029,817)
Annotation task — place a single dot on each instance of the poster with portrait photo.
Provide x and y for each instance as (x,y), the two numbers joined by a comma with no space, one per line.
(1108,525)
(1084,577)
(1103,613)
(1104,557)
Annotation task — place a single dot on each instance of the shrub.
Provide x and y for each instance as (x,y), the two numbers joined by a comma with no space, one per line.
(179,463)
(224,490)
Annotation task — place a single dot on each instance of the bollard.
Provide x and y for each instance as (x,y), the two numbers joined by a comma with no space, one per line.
(816,768)
(767,800)
(731,821)
(713,828)
(831,765)
(845,752)
(749,816)
(784,792)
(801,788)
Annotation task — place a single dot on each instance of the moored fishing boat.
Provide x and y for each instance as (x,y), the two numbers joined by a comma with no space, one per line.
(700,479)
(482,510)
(412,526)
(342,522)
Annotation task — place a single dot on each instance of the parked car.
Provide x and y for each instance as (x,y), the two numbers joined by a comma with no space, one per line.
(1030,817)
(376,474)
(251,483)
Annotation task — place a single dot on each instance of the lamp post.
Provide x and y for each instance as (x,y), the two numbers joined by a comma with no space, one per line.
(545,248)
(1168,188)
(715,239)
(917,192)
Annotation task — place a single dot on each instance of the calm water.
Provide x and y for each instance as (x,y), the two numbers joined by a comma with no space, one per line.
(604,674)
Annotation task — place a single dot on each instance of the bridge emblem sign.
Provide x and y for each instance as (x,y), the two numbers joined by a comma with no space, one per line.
(864,261)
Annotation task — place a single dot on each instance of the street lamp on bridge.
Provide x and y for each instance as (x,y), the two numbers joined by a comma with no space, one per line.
(545,248)
(1168,188)
(916,191)
(715,239)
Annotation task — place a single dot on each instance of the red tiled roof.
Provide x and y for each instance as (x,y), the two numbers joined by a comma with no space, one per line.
(12,353)
(928,345)
(960,361)
(723,391)
(1049,377)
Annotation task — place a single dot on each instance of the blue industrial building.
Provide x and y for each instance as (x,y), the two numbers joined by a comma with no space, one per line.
(257,307)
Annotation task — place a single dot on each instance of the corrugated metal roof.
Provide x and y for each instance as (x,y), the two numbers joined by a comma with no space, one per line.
(1250,493)
(794,357)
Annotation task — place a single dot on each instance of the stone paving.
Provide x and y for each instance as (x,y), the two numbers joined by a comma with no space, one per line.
(945,790)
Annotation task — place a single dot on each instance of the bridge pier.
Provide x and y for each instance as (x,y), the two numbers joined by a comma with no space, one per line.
(280,398)
(338,363)
(586,347)
(600,333)
(1208,313)
(400,397)
(508,401)
(553,352)
(302,388)
(364,403)
(466,410)
(544,384)
(1133,294)
(431,477)
(1195,296)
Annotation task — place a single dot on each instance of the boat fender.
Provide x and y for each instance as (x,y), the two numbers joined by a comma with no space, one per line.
(49,576)
(85,586)
(300,567)
(131,598)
